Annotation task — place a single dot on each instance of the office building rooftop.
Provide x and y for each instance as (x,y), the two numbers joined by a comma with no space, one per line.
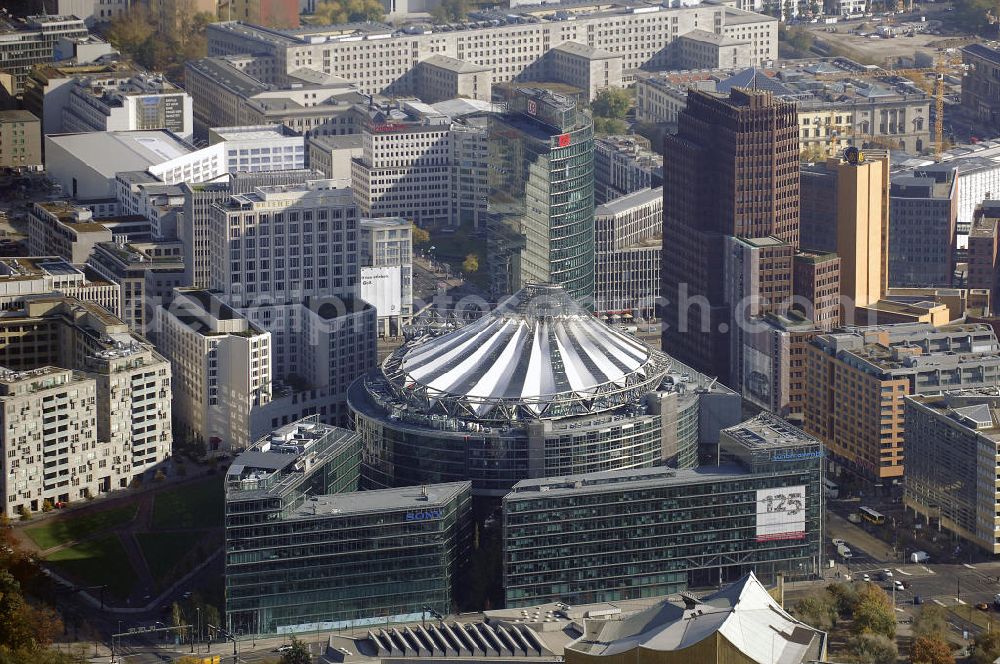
(114,151)
(416,499)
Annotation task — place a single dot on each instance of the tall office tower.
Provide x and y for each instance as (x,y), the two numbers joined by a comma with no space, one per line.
(924,213)
(287,257)
(541,195)
(845,208)
(731,171)
(421,164)
(984,251)
(194,225)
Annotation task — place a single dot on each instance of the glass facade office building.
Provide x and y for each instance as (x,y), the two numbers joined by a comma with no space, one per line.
(610,536)
(541,195)
(305,551)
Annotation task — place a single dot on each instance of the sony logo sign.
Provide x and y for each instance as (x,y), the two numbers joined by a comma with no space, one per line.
(423,516)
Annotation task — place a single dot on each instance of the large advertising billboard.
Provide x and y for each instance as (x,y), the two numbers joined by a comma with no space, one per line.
(757,374)
(781,513)
(157,111)
(382,287)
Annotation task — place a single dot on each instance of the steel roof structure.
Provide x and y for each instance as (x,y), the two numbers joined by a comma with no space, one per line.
(538,355)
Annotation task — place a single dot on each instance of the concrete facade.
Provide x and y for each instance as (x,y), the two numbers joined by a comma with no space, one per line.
(20,140)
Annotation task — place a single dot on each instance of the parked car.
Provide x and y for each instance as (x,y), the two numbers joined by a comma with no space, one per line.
(917,600)
(866,577)
(983,606)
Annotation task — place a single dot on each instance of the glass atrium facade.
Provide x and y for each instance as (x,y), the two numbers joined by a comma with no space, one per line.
(305,551)
(629,534)
(541,195)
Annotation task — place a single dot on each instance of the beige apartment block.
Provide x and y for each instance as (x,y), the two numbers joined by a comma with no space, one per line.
(49,433)
(20,140)
(857,380)
(222,364)
(128,429)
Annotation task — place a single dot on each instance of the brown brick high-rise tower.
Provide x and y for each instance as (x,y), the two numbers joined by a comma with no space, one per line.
(732,170)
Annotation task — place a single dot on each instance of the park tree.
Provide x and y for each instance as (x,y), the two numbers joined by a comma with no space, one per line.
(298,654)
(450,11)
(176,615)
(470,264)
(39,656)
(23,626)
(131,30)
(873,649)
(210,615)
(873,613)
(420,236)
(930,650)
(845,597)
(932,622)
(818,610)
(611,103)
(974,15)
(348,11)
(609,126)
(986,648)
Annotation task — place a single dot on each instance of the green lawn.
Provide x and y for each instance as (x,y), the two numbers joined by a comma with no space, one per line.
(197,505)
(163,551)
(100,561)
(64,530)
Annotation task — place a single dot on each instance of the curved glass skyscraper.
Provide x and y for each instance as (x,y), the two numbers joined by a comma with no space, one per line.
(541,202)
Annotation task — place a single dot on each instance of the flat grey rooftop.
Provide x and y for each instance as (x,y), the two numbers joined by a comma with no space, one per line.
(586,51)
(338,141)
(112,152)
(621,480)
(454,64)
(629,201)
(383,500)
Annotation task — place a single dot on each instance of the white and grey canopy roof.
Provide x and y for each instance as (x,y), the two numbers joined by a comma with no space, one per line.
(537,354)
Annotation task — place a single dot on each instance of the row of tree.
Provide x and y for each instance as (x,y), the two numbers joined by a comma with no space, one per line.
(873,624)
(28,624)
(347,11)
(161,44)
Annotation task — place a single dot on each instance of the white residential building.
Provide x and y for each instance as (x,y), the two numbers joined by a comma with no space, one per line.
(20,277)
(222,368)
(134,102)
(48,427)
